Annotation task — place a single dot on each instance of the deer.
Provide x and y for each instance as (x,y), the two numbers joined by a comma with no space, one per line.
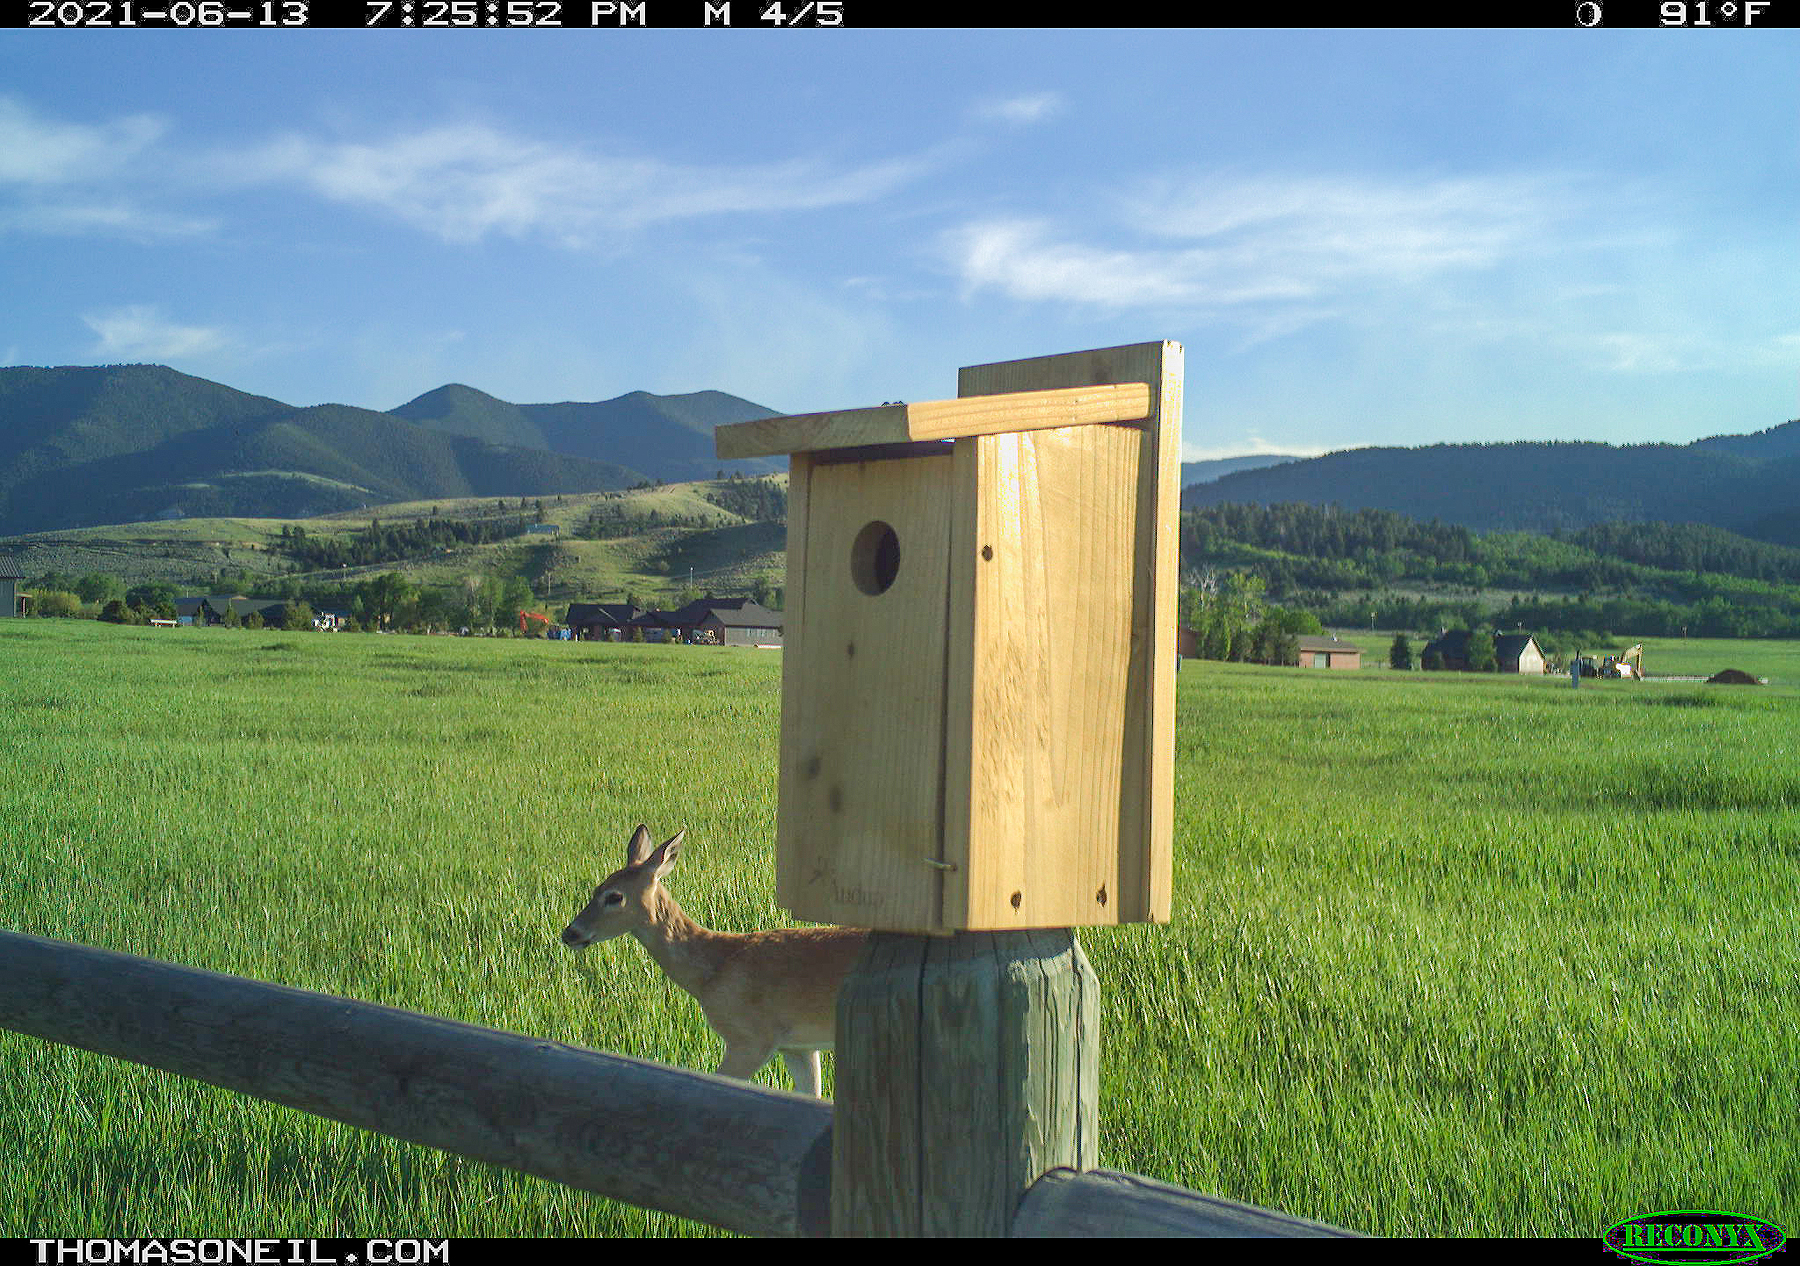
(761,992)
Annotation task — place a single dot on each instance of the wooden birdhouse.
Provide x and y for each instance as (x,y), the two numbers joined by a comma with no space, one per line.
(977,722)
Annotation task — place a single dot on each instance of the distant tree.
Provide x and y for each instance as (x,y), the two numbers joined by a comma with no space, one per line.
(254,620)
(515,596)
(1481,652)
(152,594)
(384,595)
(1400,654)
(99,587)
(299,616)
(116,612)
(230,619)
(61,581)
(1431,661)
(437,608)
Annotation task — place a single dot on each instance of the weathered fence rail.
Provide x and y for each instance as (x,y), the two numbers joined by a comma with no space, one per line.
(724,1152)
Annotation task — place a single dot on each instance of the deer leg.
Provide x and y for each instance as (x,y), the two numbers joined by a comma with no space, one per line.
(744,1060)
(803,1067)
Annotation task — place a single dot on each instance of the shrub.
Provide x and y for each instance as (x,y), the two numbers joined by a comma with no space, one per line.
(58,602)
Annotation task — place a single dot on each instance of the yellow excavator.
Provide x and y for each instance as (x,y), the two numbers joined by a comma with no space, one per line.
(1628,665)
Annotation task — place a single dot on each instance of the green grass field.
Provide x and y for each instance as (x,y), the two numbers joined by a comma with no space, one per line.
(1451,955)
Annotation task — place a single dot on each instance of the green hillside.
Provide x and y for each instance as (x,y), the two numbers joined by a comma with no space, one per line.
(84,446)
(1746,483)
(293,464)
(661,540)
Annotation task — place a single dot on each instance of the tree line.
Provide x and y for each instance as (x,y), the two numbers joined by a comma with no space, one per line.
(395,542)
(1651,578)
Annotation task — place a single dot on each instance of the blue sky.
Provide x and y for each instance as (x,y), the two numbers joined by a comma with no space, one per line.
(1361,237)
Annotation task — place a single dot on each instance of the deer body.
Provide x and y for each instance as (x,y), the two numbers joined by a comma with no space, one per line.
(762,992)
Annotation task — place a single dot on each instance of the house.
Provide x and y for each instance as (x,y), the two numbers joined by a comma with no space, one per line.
(601,621)
(1513,652)
(725,622)
(10,576)
(1449,650)
(708,621)
(1518,653)
(1328,652)
(749,625)
(211,609)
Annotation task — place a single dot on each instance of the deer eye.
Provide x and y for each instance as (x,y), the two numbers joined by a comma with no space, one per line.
(613,899)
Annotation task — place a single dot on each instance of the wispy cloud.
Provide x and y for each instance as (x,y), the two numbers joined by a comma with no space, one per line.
(64,178)
(465,182)
(459,182)
(141,332)
(1021,110)
(1207,244)
(39,151)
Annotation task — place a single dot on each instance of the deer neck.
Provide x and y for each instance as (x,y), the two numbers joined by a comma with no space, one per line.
(684,949)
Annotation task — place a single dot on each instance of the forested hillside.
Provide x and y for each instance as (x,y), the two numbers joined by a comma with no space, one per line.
(1745,483)
(1382,569)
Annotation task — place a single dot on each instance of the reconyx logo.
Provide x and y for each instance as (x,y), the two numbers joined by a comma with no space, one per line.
(1680,1236)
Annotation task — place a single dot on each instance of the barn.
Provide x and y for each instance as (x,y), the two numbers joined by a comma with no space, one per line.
(1518,653)
(1513,652)
(10,576)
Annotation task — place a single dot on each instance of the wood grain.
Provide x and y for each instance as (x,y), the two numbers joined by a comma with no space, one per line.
(715,1149)
(1072,668)
(965,1071)
(861,816)
(934,420)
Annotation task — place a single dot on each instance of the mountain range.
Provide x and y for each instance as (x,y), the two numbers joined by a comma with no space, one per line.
(1749,484)
(86,446)
(83,446)
(1205,472)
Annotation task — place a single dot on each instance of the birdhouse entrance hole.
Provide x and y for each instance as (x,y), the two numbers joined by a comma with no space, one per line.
(875,558)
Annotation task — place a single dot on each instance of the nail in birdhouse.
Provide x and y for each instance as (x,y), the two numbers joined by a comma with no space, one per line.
(977,723)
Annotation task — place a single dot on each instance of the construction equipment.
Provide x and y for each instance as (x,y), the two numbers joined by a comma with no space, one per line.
(533,615)
(1629,665)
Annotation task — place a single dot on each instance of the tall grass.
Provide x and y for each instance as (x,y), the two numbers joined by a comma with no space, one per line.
(1450,956)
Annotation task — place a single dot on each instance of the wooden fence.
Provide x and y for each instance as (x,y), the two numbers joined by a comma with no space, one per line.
(728,1153)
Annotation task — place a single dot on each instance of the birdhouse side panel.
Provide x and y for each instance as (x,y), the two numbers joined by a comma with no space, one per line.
(861,822)
(1049,680)
(1144,834)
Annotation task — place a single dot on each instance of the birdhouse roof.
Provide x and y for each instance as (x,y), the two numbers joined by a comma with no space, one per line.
(935,420)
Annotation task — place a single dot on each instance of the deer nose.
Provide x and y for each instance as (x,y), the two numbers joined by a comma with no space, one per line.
(572,938)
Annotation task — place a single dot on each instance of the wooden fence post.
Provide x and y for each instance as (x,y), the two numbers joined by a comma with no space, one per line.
(967,1066)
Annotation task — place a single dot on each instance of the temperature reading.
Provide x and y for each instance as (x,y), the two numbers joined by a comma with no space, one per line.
(1712,12)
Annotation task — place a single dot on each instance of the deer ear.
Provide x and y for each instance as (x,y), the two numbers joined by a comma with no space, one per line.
(639,847)
(666,854)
